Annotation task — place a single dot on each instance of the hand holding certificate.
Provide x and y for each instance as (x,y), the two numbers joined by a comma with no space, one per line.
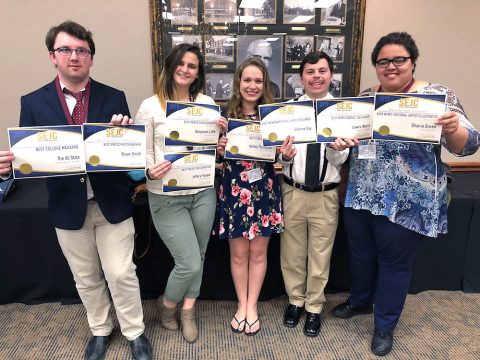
(344,118)
(191,124)
(44,151)
(245,142)
(190,170)
(408,117)
(114,148)
(295,118)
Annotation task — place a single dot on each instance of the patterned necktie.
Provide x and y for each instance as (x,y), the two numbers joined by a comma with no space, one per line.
(312,169)
(78,113)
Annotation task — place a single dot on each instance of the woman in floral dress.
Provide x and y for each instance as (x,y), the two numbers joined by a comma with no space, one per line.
(250,206)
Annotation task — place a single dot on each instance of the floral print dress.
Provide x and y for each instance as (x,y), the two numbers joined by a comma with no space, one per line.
(249,209)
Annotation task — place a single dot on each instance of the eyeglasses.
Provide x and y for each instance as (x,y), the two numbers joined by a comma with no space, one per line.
(263,58)
(66,51)
(397,61)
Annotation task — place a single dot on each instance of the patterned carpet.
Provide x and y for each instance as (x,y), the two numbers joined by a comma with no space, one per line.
(434,325)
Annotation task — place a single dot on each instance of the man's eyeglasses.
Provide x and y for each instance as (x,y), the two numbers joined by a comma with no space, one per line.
(66,51)
(397,61)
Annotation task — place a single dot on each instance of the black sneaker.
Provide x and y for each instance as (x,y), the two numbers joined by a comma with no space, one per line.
(382,342)
(347,310)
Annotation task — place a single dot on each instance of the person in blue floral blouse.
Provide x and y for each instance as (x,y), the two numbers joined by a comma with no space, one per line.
(250,203)
(397,197)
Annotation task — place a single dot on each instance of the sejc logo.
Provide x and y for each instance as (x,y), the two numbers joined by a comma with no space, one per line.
(409,102)
(344,106)
(115,132)
(287,110)
(47,136)
(195,111)
(189,159)
(254,128)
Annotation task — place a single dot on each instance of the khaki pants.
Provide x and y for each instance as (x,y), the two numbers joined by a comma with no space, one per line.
(306,244)
(98,254)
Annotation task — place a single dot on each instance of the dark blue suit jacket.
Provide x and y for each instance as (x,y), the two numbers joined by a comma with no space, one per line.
(68,194)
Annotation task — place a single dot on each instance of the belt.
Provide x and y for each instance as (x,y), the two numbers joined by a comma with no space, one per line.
(320,187)
(92,199)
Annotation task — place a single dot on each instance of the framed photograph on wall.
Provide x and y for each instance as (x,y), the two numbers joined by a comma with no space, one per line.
(219,49)
(296,47)
(219,11)
(298,12)
(334,15)
(184,12)
(332,45)
(269,50)
(336,85)
(264,12)
(292,86)
(187,39)
(219,85)
(285,30)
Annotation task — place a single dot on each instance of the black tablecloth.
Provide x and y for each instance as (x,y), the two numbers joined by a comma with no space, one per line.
(33,269)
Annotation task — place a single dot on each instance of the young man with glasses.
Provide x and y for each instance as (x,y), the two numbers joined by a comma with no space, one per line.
(92,214)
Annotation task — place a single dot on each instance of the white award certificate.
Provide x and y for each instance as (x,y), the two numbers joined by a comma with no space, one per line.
(245,142)
(349,117)
(191,124)
(114,148)
(408,117)
(295,118)
(44,151)
(190,170)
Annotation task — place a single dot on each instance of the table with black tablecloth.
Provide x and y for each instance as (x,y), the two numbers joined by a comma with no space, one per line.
(33,269)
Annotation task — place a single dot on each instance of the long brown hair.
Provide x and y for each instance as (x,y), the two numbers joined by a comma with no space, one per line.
(165,85)
(235,102)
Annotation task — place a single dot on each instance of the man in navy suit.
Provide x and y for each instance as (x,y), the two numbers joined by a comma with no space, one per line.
(92,214)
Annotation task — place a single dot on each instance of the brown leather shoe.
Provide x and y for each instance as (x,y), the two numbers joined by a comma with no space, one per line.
(189,324)
(168,316)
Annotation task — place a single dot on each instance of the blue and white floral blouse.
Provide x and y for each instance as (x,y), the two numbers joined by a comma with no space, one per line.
(407,182)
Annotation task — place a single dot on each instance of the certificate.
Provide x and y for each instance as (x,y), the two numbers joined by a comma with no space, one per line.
(114,148)
(191,124)
(295,118)
(245,142)
(408,117)
(190,170)
(44,151)
(349,117)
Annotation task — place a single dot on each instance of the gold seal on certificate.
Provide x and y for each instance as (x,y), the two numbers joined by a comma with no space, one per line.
(294,118)
(191,124)
(245,142)
(349,117)
(25,168)
(94,160)
(408,117)
(174,135)
(384,130)
(121,147)
(44,151)
(190,170)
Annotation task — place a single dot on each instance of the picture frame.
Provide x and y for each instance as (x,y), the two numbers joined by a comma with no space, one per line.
(334,15)
(184,12)
(297,46)
(219,85)
(219,49)
(333,45)
(269,50)
(264,13)
(299,12)
(292,86)
(249,25)
(219,11)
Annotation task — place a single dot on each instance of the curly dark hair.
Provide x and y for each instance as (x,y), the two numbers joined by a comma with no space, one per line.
(397,38)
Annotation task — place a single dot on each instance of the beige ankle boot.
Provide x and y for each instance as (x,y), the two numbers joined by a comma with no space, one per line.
(189,324)
(168,317)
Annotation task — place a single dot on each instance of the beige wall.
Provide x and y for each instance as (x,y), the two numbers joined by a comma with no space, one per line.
(446,33)
(121,31)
